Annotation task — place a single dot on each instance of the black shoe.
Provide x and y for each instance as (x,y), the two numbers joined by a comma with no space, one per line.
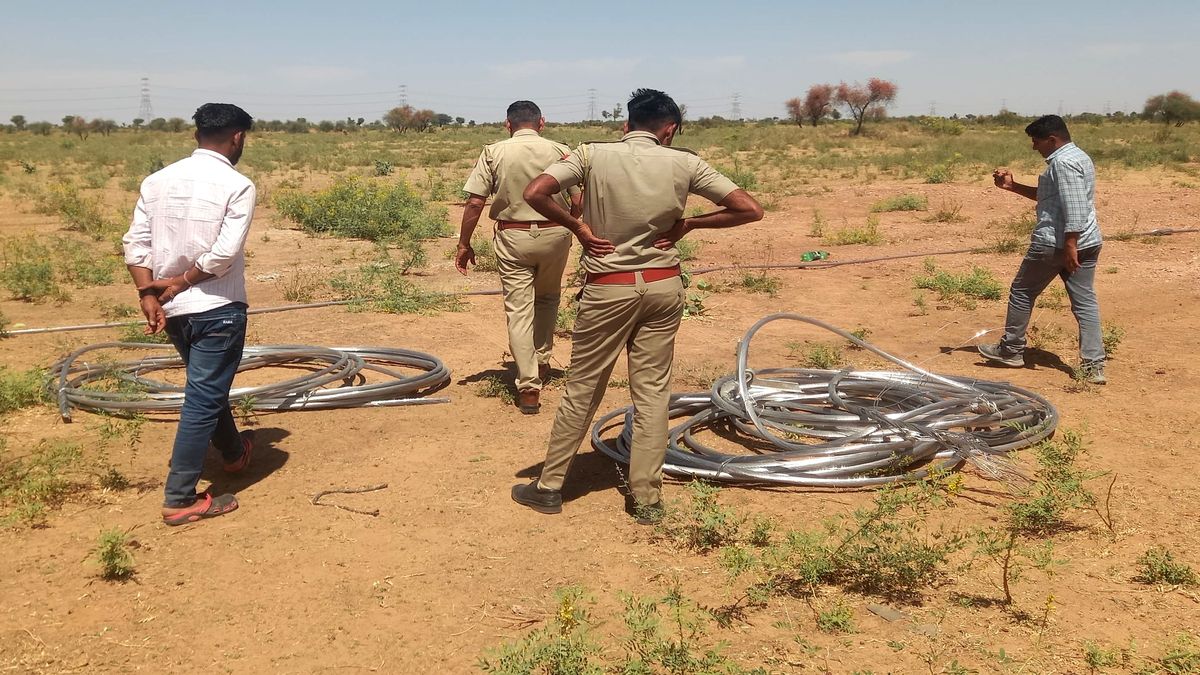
(542,501)
(651,514)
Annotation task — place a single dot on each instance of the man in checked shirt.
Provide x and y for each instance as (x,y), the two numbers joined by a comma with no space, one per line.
(185,252)
(1065,243)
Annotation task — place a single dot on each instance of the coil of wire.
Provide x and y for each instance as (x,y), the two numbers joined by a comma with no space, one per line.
(335,377)
(826,428)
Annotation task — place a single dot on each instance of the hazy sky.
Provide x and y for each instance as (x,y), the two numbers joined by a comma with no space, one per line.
(331,60)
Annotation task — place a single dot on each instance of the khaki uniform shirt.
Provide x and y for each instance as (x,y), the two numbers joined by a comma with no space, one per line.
(506,167)
(634,191)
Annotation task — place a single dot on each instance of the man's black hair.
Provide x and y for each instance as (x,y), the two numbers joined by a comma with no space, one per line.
(649,109)
(1047,126)
(214,119)
(524,114)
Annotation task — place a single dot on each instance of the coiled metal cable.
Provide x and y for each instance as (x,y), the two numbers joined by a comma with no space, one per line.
(827,428)
(128,387)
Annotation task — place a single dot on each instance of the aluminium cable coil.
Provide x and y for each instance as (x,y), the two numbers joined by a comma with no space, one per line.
(829,428)
(334,377)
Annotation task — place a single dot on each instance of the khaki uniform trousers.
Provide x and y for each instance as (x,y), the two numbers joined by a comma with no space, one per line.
(643,319)
(531,264)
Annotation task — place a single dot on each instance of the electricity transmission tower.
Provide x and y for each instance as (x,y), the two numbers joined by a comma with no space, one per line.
(591,104)
(403,95)
(736,111)
(145,110)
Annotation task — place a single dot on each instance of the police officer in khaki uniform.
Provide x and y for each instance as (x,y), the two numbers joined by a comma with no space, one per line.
(531,252)
(634,195)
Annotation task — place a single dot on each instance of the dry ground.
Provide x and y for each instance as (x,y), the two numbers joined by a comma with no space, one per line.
(451,566)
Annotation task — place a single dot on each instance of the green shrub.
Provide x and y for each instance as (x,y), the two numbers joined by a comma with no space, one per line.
(836,619)
(79,212)
(868,234)
(32,485)
(1111,334)
(963,288)
(704,524)
(565,646)
(743,178)
(112,553)
(380,287)
(32,269)
(760,282)
(819,355)
(901,203)
(353,207)
(20,389)
(1158,566)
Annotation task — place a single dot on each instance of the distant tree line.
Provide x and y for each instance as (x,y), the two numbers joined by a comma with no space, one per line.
(859,102)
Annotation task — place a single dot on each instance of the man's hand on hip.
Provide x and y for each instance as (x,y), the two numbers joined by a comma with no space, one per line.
(677,232)
(1070,259)
(595,246)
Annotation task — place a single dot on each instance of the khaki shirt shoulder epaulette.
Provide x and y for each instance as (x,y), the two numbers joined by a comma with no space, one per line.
(506,167)
(634,190)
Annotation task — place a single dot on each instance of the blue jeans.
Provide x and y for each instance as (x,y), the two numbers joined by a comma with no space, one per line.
(211,346)
(1040,266)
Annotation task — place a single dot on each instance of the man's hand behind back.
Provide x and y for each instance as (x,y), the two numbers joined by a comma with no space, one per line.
(156,319)
(595,246)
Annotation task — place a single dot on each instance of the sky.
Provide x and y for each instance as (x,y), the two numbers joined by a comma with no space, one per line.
(328,60)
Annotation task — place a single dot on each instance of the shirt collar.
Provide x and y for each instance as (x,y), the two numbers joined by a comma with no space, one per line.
(209,153)
(1056,152)
(525,132)
(641,136)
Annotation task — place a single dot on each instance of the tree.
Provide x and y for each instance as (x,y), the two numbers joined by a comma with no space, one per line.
(859,100)
(442,119)
(78,126)
(795,110)
(67,120)
(605,114)
(422,120)
(1173,107)
(326,125)
(399,119)
(137,123)
(40,128)
(616,112)
(818,102)
(105,127)
(176,124)
(18,121)
(460,121)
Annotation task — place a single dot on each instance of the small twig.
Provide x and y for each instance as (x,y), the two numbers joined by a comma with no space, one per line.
(316,500)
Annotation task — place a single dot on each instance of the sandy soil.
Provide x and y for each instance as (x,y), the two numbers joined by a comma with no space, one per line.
(451,566)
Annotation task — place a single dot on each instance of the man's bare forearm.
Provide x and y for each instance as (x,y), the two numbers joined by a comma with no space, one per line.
(470,220)
(1027,191)
(739,208)
(141,275)
(540,194)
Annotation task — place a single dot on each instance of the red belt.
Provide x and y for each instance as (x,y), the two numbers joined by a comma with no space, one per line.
(523,224)
(628,278)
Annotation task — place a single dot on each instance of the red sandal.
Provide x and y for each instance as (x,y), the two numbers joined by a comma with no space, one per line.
(242,462)
(206,506)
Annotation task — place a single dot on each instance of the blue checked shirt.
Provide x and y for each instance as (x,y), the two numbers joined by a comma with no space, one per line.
(1066,199)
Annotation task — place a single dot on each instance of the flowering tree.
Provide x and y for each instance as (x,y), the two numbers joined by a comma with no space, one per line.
(818,102)
(872,99)
(795,110)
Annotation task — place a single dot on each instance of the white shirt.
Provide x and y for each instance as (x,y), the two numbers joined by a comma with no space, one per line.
(196,211)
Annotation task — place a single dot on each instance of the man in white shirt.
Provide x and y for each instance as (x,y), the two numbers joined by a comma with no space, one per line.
(185,252)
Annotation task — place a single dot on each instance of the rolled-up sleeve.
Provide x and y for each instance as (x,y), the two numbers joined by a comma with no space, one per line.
(1073,196)
(232,236)
(568,171)
(136,242)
